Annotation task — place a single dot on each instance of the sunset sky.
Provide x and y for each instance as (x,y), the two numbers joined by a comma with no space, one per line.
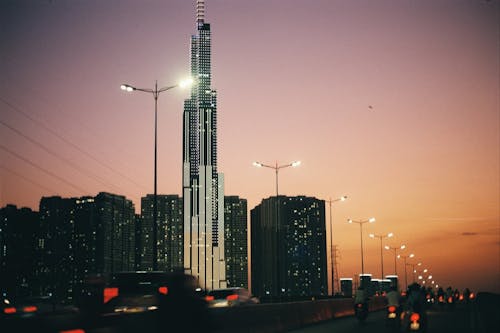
(394,103)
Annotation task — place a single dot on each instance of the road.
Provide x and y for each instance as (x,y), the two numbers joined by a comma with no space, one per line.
(459,320)
(481,316)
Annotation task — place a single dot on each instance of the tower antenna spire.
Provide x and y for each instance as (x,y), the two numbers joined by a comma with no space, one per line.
(200,11)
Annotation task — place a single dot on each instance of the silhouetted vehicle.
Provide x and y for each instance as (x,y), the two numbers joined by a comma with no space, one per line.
(230,297)
(145,301)
(10,308)
(393,318)
(361,311)
(414,321)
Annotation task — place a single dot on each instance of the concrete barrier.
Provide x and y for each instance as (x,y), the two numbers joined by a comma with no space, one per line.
(282,317)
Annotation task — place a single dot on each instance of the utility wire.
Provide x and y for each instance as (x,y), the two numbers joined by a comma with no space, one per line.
(27,179)
(74,165)
(79,189)
(72,144)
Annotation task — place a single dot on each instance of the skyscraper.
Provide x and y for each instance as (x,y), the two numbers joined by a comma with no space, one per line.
(203,186)
(289,255)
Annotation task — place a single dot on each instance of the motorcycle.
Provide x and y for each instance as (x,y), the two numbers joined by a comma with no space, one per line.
(393,318)
(441,302)
(451,302)
(414,322)
(361,311)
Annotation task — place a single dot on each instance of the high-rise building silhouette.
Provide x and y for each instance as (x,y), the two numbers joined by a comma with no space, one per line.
(170,227)
(289,255)
(18,227)
(203,186)
(80,237)
(235,241)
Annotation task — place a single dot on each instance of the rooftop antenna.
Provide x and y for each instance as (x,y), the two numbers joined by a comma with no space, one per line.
(200,12)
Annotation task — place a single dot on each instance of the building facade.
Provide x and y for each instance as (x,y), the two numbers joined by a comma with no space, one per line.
(288,247)
(18,230)
(203,186)
(170,233)
(235,241)
(81,237)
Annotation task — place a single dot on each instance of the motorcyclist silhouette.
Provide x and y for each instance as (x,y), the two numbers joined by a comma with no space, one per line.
(416,299)
(361,297)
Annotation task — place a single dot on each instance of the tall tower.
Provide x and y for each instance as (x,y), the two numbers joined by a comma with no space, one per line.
(203,187)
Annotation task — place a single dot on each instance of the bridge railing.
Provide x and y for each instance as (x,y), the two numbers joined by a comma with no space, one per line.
(282,317)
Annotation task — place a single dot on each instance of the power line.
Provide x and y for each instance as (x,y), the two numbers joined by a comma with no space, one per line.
(79,189)
(26,178)
(74,165)
(60,137)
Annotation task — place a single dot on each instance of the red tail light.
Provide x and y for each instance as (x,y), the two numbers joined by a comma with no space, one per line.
(163,290)
(209,298)
(73,331)
(414,317)
(392,308)
(30,308)
(471,296)
(450,299)
(232,297)
(359,305)
(109,293)
(441,298)
(9,310)
(461,298)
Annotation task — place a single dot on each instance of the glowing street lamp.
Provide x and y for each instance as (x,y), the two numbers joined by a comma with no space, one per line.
(331,201)
(404,259)
(156,93)
(395,249)
(361,222)
(389,235)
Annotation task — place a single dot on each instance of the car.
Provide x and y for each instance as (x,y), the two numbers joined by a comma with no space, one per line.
(132,292)
(229,297)
(24,308)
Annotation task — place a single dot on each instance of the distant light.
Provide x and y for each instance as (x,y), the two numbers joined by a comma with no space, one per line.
(30,308)
(387,247)
(9,310)
(371,220)
(372,235)
(296,163)
(344,198)
(163,290)
(390,234)
(403,247)
(257,164)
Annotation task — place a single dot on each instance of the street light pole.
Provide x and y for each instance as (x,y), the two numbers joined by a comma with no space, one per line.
(276,168)
(381,254)
(394,249)
(330,202)
(155,92)
(361,222)
(414,270)
(404,259)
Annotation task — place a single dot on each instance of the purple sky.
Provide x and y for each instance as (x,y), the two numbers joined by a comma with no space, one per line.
(295,81)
